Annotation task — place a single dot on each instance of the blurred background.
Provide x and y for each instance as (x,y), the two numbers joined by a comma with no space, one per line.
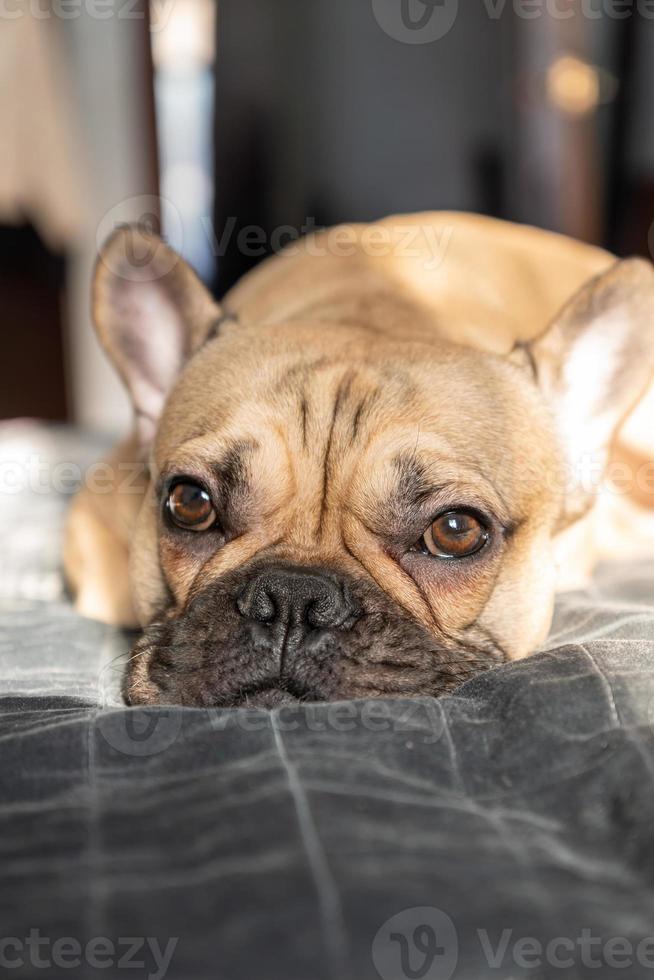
(234,125)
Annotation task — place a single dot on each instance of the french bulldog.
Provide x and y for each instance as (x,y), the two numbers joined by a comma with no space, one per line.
(366,472)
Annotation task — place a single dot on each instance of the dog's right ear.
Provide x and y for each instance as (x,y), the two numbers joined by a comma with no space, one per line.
(592,364)
(151,312)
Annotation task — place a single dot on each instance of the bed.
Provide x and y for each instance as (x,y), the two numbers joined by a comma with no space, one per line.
(503,831)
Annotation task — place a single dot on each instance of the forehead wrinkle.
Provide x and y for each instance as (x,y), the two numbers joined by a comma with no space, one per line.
(414,479)
(224,460)
(231,469)
(346,406)
(203,446)
(304,417)
(413,484)
(361,414)
(342,393)
(295,382)
(298,374)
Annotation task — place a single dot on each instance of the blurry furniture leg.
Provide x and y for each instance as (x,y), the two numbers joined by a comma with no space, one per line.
(553,172)
(260,177)
(31,282)
(631,177)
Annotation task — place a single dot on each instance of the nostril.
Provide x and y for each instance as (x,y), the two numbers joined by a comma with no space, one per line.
(255,603)
(331,610)
(323,612)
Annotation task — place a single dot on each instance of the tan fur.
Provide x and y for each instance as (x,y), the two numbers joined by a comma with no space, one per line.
(101,521)
(418,327)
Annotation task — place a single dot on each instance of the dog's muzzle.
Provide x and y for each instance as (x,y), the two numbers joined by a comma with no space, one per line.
(272,634)
(292,615)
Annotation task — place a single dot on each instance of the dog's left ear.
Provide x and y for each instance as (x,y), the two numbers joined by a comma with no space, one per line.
(151,312)
(595,361)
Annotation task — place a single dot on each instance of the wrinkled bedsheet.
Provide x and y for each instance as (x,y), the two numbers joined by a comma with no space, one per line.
(504,831)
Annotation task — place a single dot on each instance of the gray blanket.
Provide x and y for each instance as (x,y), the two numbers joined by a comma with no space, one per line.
(504,831)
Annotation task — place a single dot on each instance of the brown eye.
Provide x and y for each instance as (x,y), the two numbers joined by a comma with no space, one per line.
(456,534)
(190,507)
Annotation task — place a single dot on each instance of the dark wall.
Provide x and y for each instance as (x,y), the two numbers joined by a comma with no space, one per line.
(320,114)
(31,293)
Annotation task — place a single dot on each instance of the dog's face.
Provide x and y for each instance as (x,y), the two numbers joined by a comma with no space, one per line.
(326,521)
(332,515)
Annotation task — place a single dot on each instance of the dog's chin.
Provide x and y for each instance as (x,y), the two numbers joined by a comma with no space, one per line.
(272,697)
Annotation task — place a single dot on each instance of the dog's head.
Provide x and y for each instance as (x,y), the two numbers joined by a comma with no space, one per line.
(335,514)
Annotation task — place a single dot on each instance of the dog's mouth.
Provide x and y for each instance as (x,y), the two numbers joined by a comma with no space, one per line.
(267,695)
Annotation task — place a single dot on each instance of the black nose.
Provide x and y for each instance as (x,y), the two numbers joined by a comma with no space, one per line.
(295,597)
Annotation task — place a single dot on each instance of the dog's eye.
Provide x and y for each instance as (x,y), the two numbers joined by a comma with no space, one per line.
(456,534)
(190,507)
